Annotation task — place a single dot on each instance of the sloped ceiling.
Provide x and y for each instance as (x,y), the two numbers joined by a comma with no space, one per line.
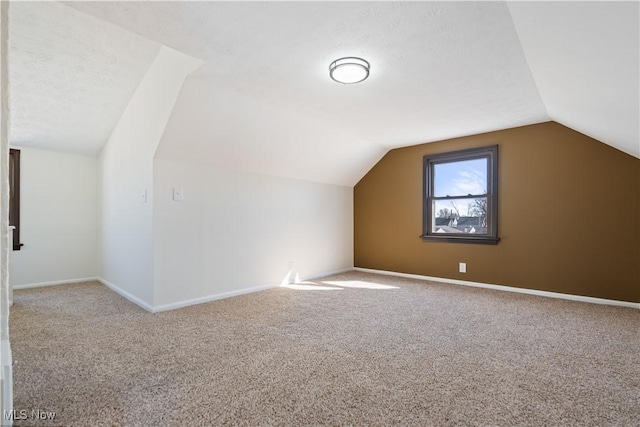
(71,76)
(585,60)
(263,100)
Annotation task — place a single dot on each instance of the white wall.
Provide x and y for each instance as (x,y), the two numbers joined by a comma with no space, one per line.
(126,169)
(58,218)
(235,231)
(6,370)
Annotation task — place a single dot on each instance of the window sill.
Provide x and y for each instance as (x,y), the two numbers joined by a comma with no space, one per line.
(452,239)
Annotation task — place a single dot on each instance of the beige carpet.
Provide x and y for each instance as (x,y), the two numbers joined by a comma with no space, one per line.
(336,352)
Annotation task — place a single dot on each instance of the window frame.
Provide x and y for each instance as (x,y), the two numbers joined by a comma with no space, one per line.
(429,161)
(14,196)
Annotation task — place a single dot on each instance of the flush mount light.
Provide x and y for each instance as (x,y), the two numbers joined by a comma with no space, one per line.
(349,70)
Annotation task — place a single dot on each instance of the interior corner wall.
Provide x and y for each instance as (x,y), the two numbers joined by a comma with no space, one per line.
(568,216)
(58,209)
(126,173)
(236,231)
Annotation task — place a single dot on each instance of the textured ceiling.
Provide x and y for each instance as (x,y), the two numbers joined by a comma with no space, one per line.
(71,76)
(213,124)
(585,59)
(438,69)
(263,100)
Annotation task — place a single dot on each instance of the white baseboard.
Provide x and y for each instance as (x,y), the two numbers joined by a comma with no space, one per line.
(548,294)
(154,309)
(172,306)
(330,273)
(55,282)
(210,298)
(134,299)
(223,295)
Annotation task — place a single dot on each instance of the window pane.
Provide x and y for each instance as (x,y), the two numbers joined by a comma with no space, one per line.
(459,216)
(460,178)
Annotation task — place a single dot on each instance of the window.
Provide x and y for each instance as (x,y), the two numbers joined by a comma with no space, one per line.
(14,196)
(461,196)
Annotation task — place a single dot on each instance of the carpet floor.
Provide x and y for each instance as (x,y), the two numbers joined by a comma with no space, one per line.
(350,349)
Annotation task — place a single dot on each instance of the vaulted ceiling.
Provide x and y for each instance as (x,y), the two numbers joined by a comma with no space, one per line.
(263,100)
(71,76)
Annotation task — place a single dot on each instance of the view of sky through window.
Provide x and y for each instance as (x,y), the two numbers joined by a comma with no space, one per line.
(460,178)
(460,203)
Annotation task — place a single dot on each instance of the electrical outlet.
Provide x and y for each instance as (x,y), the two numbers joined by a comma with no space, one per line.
(463,267)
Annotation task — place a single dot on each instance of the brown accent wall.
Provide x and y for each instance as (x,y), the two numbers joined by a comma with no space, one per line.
(569,215)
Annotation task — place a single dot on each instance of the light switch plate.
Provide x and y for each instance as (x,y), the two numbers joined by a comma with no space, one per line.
(178,194)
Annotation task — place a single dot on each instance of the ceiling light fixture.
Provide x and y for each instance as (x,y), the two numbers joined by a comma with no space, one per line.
(349,70)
